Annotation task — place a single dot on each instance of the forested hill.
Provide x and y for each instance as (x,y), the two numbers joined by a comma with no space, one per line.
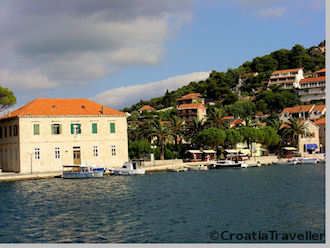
(220,86)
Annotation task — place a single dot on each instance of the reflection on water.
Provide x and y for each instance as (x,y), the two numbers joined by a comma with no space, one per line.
(163,207)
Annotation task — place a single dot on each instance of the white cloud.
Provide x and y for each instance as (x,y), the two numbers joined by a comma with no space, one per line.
(127,95)
(272,12)
(75,41)
(25,79)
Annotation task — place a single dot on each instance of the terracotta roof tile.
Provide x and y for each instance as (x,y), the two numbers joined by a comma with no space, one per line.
(190,96)
(311,80)
(322,70)
(147,108)
(287,70)
(191,106)
(62,106)
(297,109)
(319,107)
(320,122)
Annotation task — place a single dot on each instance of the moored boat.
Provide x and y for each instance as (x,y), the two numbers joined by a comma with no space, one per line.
(128,168)
(81,172)
(228,164)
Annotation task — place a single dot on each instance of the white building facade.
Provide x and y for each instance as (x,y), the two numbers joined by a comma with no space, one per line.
(46,134)
(287,79)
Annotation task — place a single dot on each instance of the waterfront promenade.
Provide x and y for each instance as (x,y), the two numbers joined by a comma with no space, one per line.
(150,166)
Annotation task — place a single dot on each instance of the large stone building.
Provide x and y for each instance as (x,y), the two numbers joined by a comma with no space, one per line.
(45,134)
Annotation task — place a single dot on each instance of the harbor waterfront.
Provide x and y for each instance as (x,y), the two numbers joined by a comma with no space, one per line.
(193,207)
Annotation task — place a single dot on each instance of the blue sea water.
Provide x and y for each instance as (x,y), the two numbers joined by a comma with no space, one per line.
(189,207)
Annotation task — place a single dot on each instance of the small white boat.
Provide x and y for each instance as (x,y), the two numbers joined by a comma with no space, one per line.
(128,168)
(81,172)
(293,161)
(196,168)
(309,160)
(229,164)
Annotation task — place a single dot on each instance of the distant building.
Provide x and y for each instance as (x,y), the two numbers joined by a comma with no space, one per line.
(309,142)
(189,111)
(305,112)
(322,134)
(190,98)
(147,108)
(45,134)
(191,106)
(313,88)
(287,79)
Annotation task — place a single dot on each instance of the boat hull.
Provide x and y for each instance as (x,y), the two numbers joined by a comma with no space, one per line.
(77,175)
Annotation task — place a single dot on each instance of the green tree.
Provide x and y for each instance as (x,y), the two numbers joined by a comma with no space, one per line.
(212,137)
(139,149)
(241,109)
(215,118)
(233,137)
(7,98)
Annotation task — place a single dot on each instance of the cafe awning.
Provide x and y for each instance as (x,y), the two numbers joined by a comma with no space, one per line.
(194,151)
(289,148)
(231,151)
(209,151)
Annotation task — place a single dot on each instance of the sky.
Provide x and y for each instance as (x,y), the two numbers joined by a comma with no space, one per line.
(118,52)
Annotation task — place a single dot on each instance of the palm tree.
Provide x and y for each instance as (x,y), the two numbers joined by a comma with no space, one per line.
(215,118)
(292,130)
(162,132)
(193,128)
(177,129)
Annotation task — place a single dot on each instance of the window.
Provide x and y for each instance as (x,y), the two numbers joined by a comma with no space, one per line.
(56,128)
(5,132)
(10,131)
(15,130)
(57,153)
(95,151)
(37,153)
(112,127)
(36,129)
(94,128)
(113,150)
(75,128)
(0,132)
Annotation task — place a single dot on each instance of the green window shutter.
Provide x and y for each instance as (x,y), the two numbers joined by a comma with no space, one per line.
(94,127)
(36,129)
(112,127)
(72,129)
(79,128)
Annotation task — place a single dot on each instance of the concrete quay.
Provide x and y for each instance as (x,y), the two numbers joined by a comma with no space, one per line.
(10,177)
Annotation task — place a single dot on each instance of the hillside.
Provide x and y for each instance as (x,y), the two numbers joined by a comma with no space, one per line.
(221,87)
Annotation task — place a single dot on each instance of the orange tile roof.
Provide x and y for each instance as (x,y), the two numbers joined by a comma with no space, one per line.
(190,96)
(62,106)
(311,79)
(322,70)
(236,122)
(147,108)
(287,70)
(228,117)
(191,106)
(297,109)
(319,107)
(320,122)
